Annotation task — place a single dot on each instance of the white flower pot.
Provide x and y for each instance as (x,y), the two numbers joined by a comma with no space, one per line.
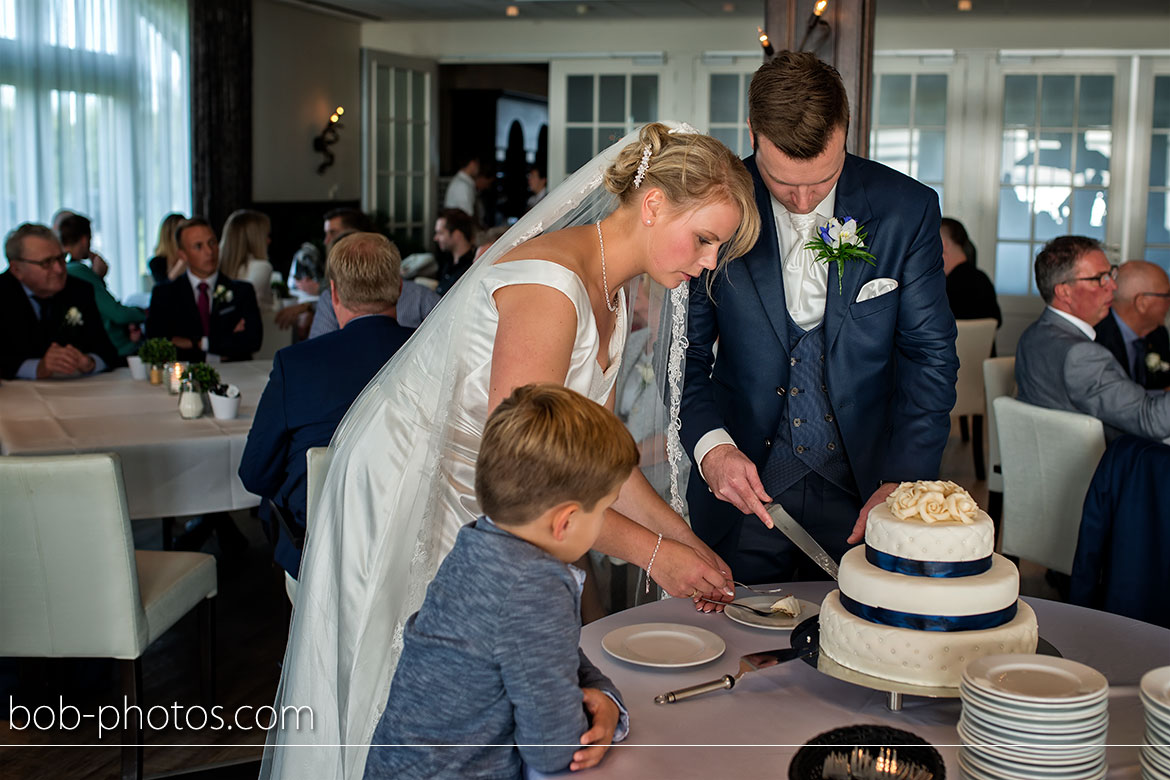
(224,408)
(137,369)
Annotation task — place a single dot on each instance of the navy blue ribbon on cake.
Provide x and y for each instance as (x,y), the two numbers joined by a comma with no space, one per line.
(891,617)
(899,565)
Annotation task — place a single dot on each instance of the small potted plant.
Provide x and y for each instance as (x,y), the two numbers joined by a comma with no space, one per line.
(157,353)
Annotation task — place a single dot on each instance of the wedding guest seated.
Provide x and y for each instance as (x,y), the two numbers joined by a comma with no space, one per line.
(537,185)
(314,382)
(204,312)
(503,608)
(244,251)
(121,322)
(1133,331)
(1060,366)
(165,264)
(50,326)
(969,291)
(455,235)
(100,267)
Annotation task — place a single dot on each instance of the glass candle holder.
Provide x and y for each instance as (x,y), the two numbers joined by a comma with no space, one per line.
(174,375)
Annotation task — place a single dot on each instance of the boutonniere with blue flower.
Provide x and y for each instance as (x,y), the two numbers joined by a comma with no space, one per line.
(223,294)
(838,241)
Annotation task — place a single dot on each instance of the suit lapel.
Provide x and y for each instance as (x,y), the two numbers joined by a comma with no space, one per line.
(763,261)
(851,202)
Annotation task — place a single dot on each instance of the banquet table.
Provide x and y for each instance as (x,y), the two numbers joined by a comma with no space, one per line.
(754,729)
(171,466)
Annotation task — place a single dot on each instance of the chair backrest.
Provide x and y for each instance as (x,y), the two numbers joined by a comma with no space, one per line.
(974,346)
(274,338)
(999,379)
(1049,457)
(68,578)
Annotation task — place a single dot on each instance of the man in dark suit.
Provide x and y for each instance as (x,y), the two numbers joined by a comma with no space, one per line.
(314,382)
(827,390)
(203,311)
(1133,330)
(50,326)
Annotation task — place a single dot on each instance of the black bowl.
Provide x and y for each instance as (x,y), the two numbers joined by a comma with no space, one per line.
(810,759)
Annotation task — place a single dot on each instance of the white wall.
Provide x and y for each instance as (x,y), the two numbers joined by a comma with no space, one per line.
(305,63)
(1128,32)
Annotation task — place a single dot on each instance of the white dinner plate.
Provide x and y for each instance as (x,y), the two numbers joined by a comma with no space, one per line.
(983,765)
(1149,770)
(1035,678)
(668,645)
(777,622)
(1078,726)
(1044,713)
(1029,759)
(1156,687)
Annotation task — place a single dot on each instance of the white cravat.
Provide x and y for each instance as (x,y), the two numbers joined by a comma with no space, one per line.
(806,280)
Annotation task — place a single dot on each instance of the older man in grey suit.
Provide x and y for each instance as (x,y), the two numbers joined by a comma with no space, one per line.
(1059,366)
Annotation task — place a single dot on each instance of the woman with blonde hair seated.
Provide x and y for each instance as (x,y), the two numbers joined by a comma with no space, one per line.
(243,251)
(165,264)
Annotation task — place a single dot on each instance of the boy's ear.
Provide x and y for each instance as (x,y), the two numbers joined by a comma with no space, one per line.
(562,518)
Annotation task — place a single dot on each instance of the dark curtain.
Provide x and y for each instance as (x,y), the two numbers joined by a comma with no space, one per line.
(221,108)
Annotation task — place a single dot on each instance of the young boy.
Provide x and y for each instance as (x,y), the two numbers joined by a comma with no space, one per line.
(491,662)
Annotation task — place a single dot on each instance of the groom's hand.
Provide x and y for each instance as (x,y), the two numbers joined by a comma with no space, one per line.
(733,478)
(879,495)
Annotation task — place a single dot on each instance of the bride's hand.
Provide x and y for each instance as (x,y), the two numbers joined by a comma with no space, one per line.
(685,573)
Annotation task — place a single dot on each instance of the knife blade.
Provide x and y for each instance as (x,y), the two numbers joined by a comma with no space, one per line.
(801,538)
(748,663)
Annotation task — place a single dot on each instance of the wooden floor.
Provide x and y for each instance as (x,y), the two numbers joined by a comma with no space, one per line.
(252,625)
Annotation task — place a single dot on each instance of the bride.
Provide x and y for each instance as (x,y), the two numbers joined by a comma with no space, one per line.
(547,303)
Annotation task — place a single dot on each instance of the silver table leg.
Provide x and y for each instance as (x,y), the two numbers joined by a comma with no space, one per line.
(894,702)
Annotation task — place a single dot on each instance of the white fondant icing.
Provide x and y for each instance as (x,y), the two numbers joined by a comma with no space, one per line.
(943,541)
(994,589)
(933,658)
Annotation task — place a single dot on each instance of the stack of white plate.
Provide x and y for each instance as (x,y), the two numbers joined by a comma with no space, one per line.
(1032,716)
(1155,755)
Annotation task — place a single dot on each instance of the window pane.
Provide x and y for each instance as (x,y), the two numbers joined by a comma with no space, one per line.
(1159,256)
(382,91)
(418,147)
(608,136)
(1018,155)
(1160,161)
(724,97)
(1158,219)
(1096,101)
(930,100)
(1019,100)
(418,95)
(611,99)
(1056,100)
(1054,162)
(382,147)
(401,146)
(383,194)
(1094,150)
(644,98)
(728,135)
(1162,101)
(893,149)
(1013,269)
(1052,207)
(1089,209)
(1013,213)
(745,143)
(401,199)
(929,154)
(579,95)
(895,100)
(578,147)
(418,194)
(401,93)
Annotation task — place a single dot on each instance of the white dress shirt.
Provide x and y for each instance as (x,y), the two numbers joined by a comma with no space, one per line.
(195,281)
(1082,326)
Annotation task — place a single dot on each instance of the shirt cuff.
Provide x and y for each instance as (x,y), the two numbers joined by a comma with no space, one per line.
(28,369)
(623,725)
(203,344)
(710,440)
(99,365)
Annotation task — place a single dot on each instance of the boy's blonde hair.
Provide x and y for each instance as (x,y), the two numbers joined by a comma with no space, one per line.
(545,445)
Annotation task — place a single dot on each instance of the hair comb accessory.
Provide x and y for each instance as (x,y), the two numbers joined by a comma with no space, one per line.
(643,166)
(684,128)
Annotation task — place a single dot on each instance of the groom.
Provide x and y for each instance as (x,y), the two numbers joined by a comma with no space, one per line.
(825,390)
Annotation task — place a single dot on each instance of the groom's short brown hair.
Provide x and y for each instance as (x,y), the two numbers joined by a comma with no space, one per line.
(796,101)
(545,445)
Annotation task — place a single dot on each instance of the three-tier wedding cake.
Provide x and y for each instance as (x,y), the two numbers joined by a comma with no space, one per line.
(925,594)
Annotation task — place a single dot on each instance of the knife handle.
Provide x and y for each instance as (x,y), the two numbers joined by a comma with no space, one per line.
(723,683)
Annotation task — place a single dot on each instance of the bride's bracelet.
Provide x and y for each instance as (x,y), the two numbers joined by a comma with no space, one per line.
(651,564)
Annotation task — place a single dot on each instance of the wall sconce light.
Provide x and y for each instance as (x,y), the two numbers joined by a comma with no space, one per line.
(815,21)
(327,138)
(765,44)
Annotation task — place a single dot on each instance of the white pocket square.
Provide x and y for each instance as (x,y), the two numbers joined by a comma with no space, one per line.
(876,287)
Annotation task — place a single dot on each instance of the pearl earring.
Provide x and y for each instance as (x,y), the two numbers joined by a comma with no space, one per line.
(649,222)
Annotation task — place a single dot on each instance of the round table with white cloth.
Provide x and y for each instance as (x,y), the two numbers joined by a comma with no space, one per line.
(754,729)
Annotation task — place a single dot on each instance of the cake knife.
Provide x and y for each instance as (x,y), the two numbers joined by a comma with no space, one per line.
(748,663)
(801,538)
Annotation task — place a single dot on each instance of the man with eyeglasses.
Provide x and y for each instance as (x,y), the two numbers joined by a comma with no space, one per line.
(1135,331)
(1058,363)
(50,326)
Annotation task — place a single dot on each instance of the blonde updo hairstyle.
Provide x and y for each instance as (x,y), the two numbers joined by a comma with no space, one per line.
(692,170)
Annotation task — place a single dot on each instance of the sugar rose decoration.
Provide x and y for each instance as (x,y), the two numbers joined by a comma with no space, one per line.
(932,502)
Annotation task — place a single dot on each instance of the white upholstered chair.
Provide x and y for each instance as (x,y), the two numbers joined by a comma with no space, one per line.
(973,346)
(999,379)
(1049,457)
(73,586)
(274,338)
(317,464)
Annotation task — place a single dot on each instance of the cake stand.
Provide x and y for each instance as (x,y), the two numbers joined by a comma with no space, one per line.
(809,632)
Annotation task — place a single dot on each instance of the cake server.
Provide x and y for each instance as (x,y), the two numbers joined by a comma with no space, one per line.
(747,663)
(801,538)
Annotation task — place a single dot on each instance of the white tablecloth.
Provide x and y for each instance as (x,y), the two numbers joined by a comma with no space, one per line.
(775,711)
(171,466)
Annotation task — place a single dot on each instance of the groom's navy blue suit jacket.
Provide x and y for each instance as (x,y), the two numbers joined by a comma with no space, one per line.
(890,361)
